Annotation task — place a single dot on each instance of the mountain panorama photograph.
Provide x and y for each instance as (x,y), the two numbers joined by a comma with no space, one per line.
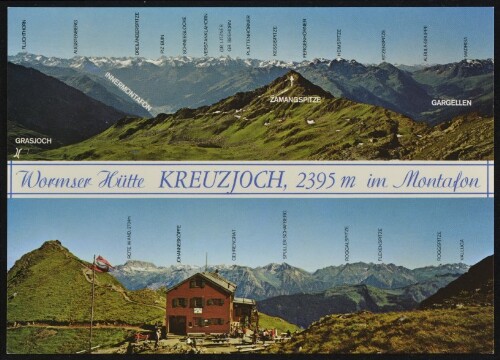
(243,84)
(277,276)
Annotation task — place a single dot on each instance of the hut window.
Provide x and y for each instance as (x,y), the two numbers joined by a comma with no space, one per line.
(217,321)
(196,302)
(179,302)
(218,302)
(196,283)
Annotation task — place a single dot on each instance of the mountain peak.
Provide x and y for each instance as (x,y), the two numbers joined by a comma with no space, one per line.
(51,285)
(52,246)
(388,66)
(462,69)
(276,267)
(137,265)
(294,84)
(51,243)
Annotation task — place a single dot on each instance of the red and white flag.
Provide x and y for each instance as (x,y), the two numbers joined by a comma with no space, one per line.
(101,264)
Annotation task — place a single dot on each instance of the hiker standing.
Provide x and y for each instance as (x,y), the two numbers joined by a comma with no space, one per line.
(157,337)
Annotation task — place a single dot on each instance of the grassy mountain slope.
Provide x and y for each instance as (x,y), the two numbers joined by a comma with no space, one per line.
(249,126)
(459,318)
(51,285)
(466,137)
(15,130)
(475,287)
(57,340)
(467,330)
(274,322)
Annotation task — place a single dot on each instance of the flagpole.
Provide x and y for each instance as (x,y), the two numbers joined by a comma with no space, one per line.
(92,306)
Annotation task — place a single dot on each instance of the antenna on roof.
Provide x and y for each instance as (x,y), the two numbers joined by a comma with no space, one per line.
(206,261)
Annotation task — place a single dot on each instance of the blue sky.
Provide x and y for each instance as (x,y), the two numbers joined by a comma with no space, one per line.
(110,32)
(315,229)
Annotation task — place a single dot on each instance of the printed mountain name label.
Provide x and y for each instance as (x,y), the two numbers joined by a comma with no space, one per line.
(184,35)
(178,236)
(23,35)
(32,141)
(275,41)
(127,91)
(295,99)
(75,37)
(129,237)
(229,35)
(136,34)
(451,102)
(233,245)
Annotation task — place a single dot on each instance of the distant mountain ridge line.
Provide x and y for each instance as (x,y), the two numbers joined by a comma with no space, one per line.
(208,60)
(283,279)
(225,266)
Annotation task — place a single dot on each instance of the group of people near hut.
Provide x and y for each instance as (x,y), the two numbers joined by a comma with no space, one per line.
(260,335)
(271,334)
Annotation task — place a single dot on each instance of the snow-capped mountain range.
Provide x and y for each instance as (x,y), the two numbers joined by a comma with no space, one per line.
(79,62)
(284,279)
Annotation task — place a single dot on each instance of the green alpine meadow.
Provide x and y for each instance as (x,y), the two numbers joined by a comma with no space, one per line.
(285,120)
(52,286)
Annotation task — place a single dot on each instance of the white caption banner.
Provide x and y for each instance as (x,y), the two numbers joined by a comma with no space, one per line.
(251,179)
